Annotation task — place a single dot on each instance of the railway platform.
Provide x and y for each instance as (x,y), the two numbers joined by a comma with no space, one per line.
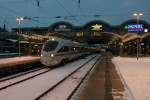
(95,77)
(5,62)
(119,78)
(16,64)
(103,84)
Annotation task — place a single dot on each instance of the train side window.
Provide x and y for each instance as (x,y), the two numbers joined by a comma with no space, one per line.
(64,49)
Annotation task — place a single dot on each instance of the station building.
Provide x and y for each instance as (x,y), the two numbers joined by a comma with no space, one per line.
(120,38)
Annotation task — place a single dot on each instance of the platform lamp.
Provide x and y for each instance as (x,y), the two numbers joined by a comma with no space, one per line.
(137,15)
(19,19)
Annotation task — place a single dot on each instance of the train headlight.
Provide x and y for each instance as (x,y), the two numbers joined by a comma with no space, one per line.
(52,55)
(53,39)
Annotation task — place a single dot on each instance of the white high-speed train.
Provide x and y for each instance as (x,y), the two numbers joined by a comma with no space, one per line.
(58,50)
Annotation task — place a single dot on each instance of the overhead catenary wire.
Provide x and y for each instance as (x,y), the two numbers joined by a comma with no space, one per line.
(40,8)
(81,13)
(77,1)
(61,5)
(11,10)
(40,4)
(16,13)
(12,1)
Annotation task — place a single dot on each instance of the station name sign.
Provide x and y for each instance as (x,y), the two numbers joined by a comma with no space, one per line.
(134,27)
(62,28)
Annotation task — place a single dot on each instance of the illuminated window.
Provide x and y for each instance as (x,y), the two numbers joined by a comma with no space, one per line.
(79,34)
(62,26)
(96,34)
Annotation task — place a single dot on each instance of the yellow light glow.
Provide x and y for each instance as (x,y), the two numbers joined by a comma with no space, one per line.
(97,27)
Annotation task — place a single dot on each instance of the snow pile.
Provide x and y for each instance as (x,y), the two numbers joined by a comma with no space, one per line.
(136,75)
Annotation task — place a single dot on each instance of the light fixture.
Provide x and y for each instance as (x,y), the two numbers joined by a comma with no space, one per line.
(52,55)
(53,39)
(146,30)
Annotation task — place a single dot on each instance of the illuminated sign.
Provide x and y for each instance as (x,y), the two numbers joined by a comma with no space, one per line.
(62,28)
(134,27)
(79,34)
(97,27)
(96,34)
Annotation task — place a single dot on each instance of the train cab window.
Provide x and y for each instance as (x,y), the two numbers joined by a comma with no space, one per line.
(64,49)
(50,46)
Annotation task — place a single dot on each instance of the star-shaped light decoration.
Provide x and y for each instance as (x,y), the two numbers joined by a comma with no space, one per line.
(96,27)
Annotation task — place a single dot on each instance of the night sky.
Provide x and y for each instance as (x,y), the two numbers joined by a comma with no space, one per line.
(46,12)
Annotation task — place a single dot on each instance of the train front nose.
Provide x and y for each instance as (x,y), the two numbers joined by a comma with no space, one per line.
(48,52)
(48,59)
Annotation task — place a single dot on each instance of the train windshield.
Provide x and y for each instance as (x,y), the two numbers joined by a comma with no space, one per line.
(50,46)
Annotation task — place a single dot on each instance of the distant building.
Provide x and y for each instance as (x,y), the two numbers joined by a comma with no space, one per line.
(31,30)
(2,30)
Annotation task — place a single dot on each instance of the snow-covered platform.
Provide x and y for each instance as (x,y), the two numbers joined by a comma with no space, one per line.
(5,62)
(136,76)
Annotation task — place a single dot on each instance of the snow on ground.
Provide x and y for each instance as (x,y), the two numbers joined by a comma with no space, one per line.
(30,89)
(136,74)
(20,78)
(64,90)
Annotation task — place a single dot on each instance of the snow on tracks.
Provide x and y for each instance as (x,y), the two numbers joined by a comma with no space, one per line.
(30,89)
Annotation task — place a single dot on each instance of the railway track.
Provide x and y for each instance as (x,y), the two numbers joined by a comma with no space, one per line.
(53,78)
(9,71)
(22,77)
(64,81)
(19,74)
